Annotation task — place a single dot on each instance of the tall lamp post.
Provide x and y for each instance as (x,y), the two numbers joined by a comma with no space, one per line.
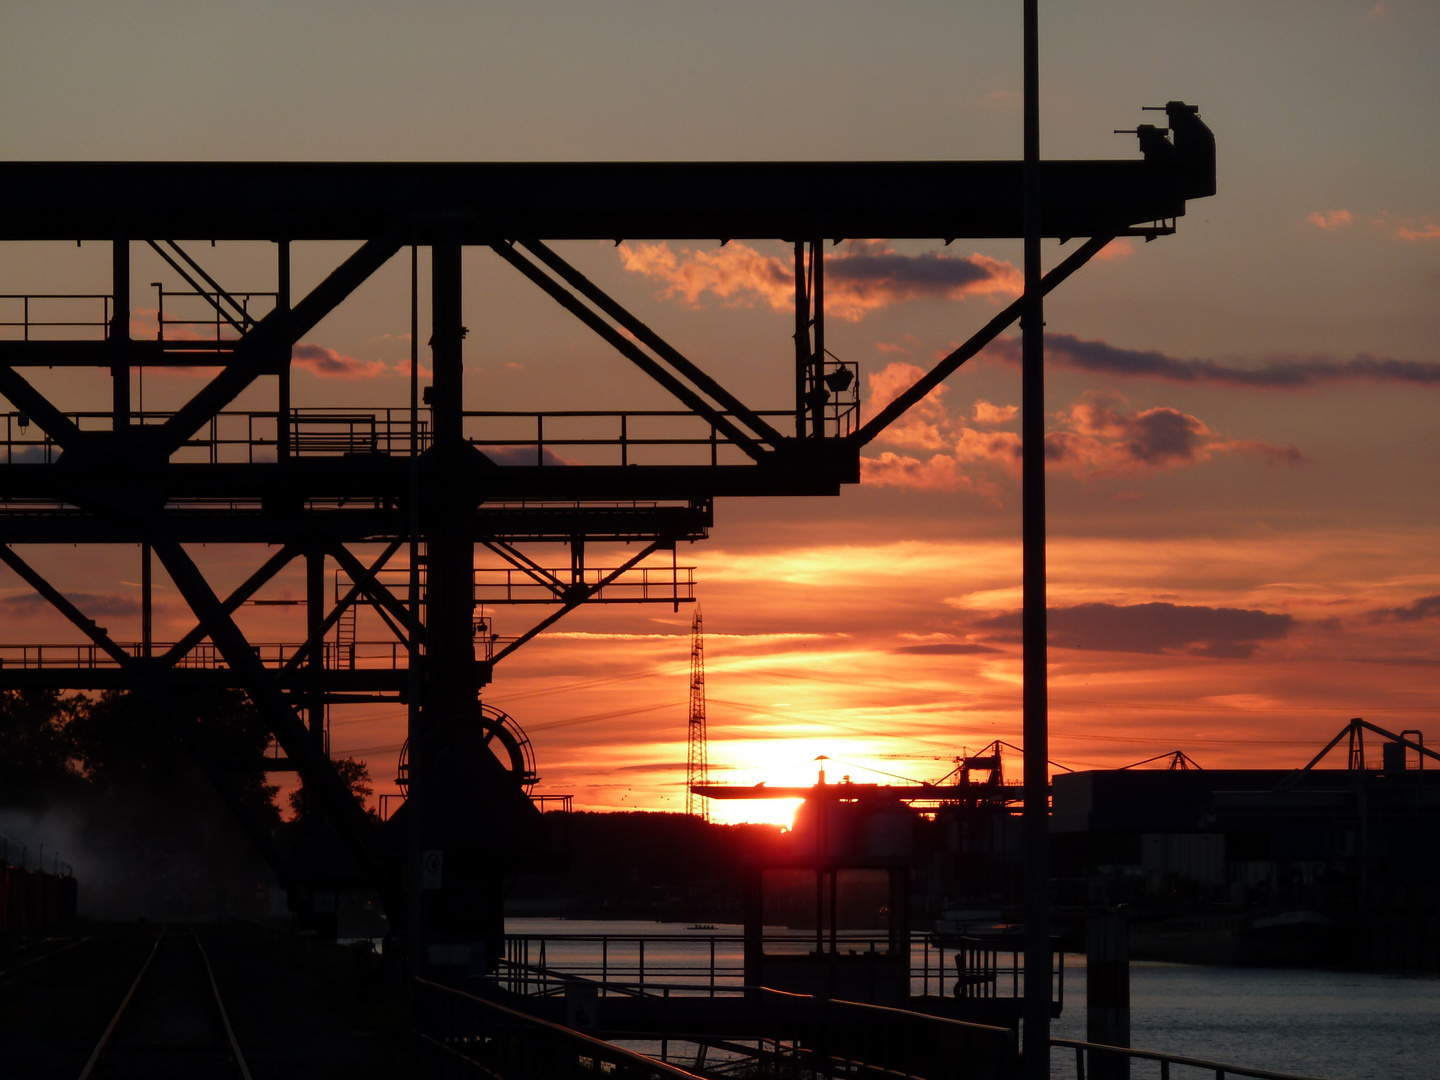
(1038,974)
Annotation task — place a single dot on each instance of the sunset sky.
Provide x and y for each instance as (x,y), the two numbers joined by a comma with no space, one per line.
(1245,475)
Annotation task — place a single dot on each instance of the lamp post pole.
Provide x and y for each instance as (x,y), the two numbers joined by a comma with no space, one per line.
(1038,974)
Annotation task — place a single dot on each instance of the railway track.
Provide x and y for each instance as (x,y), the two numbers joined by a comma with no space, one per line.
(115,1000)
(172,1021)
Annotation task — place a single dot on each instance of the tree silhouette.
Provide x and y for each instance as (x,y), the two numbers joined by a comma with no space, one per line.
(356,775)
(38,755)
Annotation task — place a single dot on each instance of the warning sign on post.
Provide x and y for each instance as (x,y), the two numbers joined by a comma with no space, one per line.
(432,867)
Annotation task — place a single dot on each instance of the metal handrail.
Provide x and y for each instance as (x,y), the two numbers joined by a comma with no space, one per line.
(493,1040)
(253,436)
(25,323)
(1219,1068)
(381,655)
(624,955)
(831,1036)
(216,315)
(639,584)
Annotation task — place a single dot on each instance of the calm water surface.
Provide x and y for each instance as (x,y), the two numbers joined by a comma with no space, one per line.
(1345,1026)
(1335,1024)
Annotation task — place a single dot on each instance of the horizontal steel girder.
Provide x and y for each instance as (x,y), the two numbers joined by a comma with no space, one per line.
(359,524)
(478,203)
(813,471)
(360,681)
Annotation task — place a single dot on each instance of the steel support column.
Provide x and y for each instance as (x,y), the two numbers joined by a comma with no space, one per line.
(119,334)
(817,352)
(282,390)
(461,909)
(147,583)
(315,608)
(802,336)
(1036,1008)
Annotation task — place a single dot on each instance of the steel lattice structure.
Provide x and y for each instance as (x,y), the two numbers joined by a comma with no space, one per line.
(697,753)
(302,485)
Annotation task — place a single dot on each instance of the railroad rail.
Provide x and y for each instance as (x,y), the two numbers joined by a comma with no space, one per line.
(162,1019)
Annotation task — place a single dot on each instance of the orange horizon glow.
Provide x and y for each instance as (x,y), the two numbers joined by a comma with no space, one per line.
(907,668)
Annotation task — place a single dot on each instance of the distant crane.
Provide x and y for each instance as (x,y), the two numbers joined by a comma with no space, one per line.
(697,768)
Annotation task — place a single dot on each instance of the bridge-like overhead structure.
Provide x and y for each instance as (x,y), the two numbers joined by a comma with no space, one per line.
(425,482)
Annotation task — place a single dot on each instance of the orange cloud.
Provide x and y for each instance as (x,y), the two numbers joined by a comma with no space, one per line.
(1407,228)
(329,363)
(1121,248)
(1330,219)
(921,426)
(929,425)
(1100,438)
(1095,436)
(986,413)
(1425,230)
(1000,447)
(940,473)
(866,276)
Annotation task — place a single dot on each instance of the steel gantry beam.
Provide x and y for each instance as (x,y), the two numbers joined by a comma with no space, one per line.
(434,482)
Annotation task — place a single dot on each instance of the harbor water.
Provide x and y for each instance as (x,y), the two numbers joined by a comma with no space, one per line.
(1339,1025)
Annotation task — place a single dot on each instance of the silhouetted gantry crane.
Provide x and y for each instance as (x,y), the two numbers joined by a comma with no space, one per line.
(426,476)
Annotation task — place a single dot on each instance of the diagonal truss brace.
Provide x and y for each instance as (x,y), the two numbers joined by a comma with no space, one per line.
(220,293)
(387,605)
(300,745)
(251,585)
(529,567)
(61,429)
(988,333)
(630,350)
(61,603)
(358,584)
(272,338)
(145,683)
(654,341)
(576,597)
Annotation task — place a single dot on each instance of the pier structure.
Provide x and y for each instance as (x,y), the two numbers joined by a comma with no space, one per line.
(427,482)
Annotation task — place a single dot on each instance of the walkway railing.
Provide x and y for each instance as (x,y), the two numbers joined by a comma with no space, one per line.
(779,1034)
(350,656)
(551,439)
(713,964)
(36,315)
(624,438)
(463,1035)
(661,583)
(1098,1061)
(687,964)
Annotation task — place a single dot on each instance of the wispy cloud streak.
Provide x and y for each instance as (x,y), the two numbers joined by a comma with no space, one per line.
(1221,633)
(1426,607)
(863,277)
(1274,373)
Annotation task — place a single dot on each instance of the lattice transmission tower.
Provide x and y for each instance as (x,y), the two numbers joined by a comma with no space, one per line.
(697,768)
